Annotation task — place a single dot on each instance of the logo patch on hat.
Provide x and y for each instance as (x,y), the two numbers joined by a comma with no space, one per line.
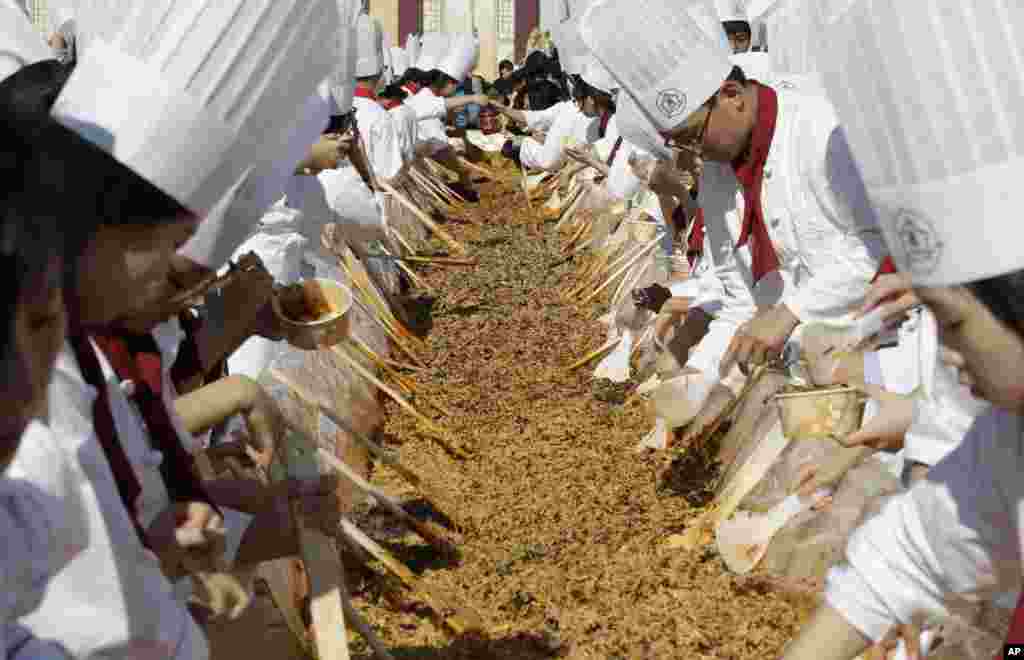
(920,242)
(671,102)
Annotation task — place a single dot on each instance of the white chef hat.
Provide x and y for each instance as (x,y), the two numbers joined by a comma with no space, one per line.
(463,50)
(598,77)
(399,61)
(233,218)
(343,78)
(659,54)
(434,47)
(20,43)
(930,106)
(731,10)
(185,93)
(637,129)
(369,47)
(573,54)
(413,47)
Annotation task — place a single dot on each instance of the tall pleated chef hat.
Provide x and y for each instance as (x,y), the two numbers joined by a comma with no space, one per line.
(20,43)
(463,50)
(573,54)
(185,91)
(343,78)
(233,219)
(659,54)
(413,48)
(399,61)
(637,129)
(598,77)
(731,10)
(369,47)
(434,47)
(930,102)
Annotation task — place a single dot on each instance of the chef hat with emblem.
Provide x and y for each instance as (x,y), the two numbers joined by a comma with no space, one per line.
(598,77)
(637,129)
(937,138)
(433,49)
(400,61)
(463,51)
(233,218)
(369,47)
(21,43)
(659,54)
(184,91)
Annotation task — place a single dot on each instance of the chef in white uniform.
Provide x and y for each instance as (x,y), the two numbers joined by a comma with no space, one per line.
(376,125)
(804,248)
(955,537)
(115,592)
(42,519)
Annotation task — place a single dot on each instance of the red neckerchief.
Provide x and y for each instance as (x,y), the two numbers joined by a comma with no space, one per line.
(1015,635)
(888,267)
(390,104)
(615,152)
(136,357)
(695,243)
(750,173)
(603,126)
(125,479)
(365,93)
(412,88)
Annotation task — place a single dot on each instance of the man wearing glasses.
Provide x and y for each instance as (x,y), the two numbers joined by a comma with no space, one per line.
(788,234)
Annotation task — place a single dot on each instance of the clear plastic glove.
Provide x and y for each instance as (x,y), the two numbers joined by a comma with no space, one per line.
(892,293)
(887,429)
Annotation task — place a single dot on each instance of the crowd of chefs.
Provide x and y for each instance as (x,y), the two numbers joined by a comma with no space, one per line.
(864,164)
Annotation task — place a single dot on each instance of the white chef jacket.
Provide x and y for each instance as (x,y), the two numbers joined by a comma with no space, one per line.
(955,536)
(114,592)
(43,524)
(380,135)
(406,129)
(359,213)
(431,111)
(568,123)
(824,231)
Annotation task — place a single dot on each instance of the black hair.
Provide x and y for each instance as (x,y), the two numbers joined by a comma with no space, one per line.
(737,75)
(505,64)
(417,76)
(439,79)
(1003,295)
(394,92)
(737,27)
(370,79)
(109,191)
(543,94)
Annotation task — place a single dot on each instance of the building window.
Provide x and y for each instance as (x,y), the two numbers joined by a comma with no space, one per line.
(506,20)
(432,13)
(40,16)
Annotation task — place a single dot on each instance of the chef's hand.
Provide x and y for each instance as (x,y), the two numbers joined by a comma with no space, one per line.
(187,537)
(892,292)
(539,136)
(325,154)
(760,339)
(911,636)
(887,429)
(248,295)
(666,179)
